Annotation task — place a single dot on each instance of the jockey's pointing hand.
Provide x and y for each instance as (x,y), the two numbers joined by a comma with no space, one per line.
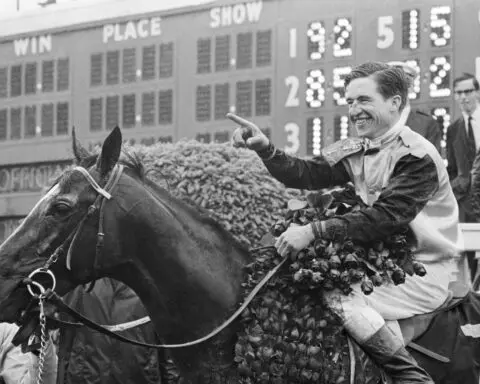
(248,134)
(294,239)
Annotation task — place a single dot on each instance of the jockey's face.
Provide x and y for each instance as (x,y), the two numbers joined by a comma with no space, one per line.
(371,114)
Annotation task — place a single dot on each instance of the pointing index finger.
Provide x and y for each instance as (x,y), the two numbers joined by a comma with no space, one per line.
(239,120)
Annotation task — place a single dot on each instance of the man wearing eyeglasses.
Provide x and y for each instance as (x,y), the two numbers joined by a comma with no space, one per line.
(463,142)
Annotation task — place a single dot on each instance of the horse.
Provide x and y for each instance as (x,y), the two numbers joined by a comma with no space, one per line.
(106,218)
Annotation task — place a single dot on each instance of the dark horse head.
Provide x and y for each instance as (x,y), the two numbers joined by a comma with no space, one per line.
(185,267)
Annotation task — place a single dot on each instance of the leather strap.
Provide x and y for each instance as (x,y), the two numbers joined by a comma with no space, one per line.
(428,352)
(56,300)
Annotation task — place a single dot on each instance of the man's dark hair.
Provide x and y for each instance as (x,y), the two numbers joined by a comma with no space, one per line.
(466,76)
(391,81)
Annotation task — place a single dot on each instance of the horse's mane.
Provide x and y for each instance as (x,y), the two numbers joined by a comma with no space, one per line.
(133,161)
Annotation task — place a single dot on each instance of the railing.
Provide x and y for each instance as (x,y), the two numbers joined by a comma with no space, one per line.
(471,238)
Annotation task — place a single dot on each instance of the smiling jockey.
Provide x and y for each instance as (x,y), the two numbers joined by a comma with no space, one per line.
(403,180)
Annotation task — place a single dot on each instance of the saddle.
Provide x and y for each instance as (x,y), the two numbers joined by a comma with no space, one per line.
(445,342)
(416,326)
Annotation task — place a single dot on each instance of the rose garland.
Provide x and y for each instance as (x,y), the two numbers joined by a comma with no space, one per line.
(290,334)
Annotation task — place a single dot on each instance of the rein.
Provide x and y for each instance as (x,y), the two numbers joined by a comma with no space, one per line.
(49,294)
(55,299)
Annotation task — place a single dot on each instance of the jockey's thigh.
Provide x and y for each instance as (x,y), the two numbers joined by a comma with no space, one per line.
(363,315)
(417,295)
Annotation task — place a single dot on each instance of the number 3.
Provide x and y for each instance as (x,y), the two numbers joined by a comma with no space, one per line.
(292,130)
(385,32)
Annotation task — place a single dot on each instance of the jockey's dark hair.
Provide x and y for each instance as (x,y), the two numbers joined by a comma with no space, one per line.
(391,81)
(466,76)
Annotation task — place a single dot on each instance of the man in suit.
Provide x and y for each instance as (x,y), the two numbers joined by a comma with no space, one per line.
(463,141)
(88,357)
(417,120)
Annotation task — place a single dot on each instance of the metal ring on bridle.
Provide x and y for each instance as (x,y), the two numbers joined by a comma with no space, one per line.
(37,284)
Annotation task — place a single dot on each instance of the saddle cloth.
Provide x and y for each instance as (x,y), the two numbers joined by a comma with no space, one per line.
(446,341)
(414,327)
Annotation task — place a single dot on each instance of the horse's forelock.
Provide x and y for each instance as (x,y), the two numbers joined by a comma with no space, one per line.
(87,162)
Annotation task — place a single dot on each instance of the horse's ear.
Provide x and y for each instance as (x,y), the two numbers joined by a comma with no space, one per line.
(79,151)
(111,149)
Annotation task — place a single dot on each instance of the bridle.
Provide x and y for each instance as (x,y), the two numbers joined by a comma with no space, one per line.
(49,294)
(104,194)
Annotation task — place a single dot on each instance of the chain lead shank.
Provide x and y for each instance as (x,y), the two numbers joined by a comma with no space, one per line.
(43,340)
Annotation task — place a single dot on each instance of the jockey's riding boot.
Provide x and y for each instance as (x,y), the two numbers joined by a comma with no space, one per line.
(387,349)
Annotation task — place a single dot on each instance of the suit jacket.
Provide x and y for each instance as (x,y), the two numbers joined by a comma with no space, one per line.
(460,160)
(425,125)
(93,358)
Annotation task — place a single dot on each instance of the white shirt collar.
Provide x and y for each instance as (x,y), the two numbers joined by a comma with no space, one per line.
(404,115)
(475,115)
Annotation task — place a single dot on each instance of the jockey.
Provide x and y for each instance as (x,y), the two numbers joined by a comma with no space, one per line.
(403,180)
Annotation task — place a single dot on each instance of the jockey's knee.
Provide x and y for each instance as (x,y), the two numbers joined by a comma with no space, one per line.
(359,319)
(363,322)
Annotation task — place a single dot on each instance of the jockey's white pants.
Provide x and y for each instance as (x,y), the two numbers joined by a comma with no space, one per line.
(364,314)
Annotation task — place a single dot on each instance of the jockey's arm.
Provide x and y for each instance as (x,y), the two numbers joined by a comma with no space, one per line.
(299,173)
(412,184)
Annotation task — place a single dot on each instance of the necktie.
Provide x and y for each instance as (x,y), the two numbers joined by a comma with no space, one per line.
(471,137)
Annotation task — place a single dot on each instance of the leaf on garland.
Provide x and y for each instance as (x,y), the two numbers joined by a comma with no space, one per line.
(296,205)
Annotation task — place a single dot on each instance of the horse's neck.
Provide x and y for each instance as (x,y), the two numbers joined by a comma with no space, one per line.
(189,279)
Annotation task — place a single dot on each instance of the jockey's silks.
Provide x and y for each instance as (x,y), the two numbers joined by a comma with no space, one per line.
(436,226)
